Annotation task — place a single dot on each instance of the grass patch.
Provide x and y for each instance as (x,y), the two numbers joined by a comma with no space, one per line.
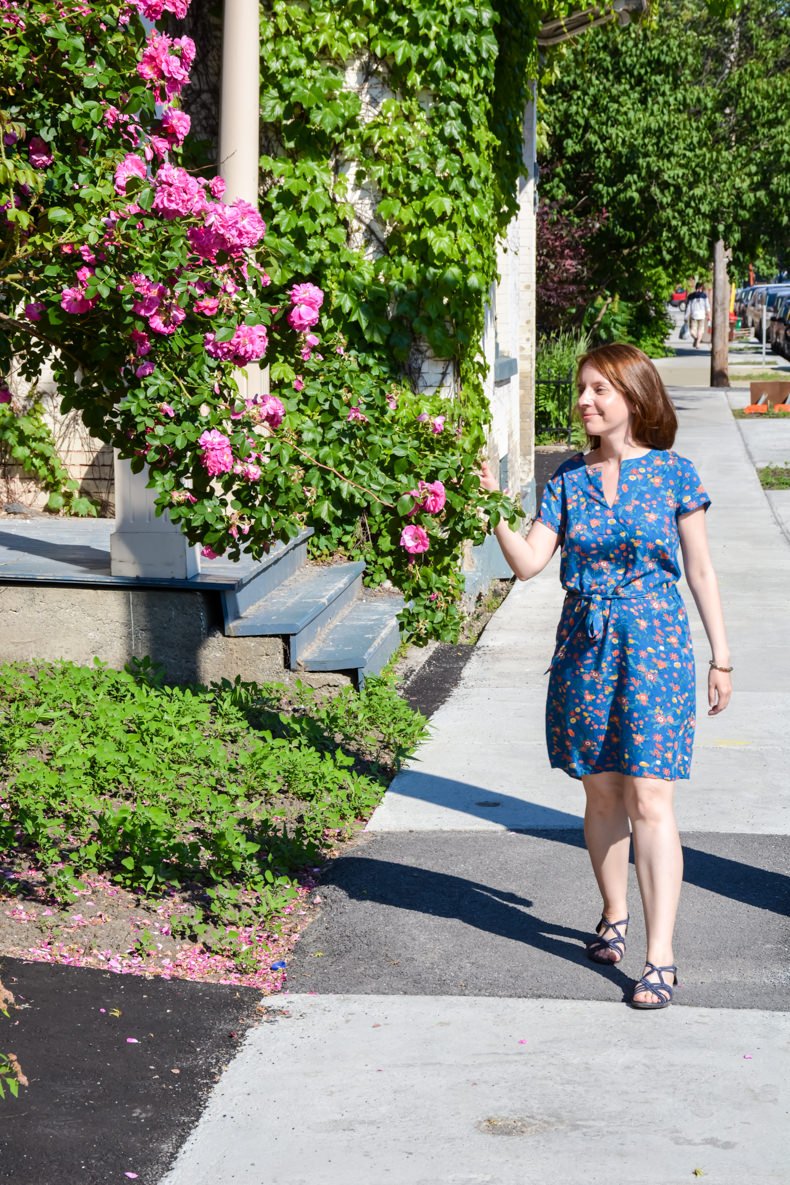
(208,806)
(775,477)
(760,376)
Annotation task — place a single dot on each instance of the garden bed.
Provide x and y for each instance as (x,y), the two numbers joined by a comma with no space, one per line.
(179,832)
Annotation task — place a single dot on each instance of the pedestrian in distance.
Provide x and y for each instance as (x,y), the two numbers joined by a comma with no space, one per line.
(620,709)
(697,313)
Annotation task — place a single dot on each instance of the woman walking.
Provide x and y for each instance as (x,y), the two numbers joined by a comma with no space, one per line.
(621,699)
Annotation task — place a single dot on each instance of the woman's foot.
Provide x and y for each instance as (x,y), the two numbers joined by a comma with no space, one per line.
(664,976)
(609,946)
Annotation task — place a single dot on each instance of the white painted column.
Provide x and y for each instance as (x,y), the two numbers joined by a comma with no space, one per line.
(527,250)
(239,123)
(144,543)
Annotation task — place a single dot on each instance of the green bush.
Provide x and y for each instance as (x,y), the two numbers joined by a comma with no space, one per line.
(556,360)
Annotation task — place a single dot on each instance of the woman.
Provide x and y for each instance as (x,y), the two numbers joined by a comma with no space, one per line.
(621,700)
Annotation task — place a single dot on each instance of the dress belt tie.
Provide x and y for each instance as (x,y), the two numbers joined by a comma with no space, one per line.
(594,615)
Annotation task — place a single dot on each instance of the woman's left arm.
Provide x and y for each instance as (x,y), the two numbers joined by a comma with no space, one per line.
(705,589)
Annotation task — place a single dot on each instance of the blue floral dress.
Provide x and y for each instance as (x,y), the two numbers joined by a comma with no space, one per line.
(622,691)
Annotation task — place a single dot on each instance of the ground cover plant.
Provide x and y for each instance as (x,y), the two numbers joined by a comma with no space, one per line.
(202,815)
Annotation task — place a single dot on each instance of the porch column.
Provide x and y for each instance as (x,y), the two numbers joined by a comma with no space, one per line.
(527,304)
(239,122)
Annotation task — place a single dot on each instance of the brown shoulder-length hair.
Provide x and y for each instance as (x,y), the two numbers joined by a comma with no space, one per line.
(635,377)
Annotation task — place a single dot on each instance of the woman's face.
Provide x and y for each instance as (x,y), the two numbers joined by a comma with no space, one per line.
(604,409)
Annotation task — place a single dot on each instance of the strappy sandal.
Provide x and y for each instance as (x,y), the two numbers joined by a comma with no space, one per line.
(617,944)
(661,989)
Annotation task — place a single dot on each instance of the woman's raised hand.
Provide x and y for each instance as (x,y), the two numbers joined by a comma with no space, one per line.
(487,479)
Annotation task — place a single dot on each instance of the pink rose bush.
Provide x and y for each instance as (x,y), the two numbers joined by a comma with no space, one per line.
(125,271)
(145,286)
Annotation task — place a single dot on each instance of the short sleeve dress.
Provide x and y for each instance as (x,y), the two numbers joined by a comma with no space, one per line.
(621,689)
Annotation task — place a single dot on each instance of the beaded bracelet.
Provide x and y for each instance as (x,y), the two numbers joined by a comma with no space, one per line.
(715,667)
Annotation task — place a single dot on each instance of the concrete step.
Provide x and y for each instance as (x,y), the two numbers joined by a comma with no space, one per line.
(361,640)
(302,606)
(261,579)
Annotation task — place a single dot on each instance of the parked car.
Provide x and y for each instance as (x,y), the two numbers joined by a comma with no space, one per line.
(764,297)
(777,327)
(678,298)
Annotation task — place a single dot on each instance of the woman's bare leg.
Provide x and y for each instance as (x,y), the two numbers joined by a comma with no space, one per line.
(659,865)
(608,840)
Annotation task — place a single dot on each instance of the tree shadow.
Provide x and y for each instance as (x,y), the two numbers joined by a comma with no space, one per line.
(477,905)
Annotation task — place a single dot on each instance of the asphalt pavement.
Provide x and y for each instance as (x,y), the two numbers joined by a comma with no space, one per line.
(441,1024)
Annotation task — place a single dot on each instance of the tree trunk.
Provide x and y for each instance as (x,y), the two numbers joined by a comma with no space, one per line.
(720,320)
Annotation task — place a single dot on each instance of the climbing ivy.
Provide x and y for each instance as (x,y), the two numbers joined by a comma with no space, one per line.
(414,110)
(26,441)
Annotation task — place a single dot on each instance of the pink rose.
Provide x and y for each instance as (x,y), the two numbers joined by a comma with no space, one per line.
(5,394)
(144,369)
(433,496)
(437,424)
(166,410)
(302,317)
(167,317)
(175,125)
(307,294)
(414,539)
(74,300)
(34,309)
(208,553)
(207,305)
(356,414)
(298,383)
(130,166)
(141,342)
(217,187)
(217,455)
(272,411)
(39,154)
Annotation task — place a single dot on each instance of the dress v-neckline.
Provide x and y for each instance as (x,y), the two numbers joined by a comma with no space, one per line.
(595,471)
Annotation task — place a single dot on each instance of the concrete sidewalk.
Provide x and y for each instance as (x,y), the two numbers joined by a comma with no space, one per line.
(443,1026)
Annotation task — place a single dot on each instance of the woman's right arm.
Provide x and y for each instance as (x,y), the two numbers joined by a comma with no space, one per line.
(527,556)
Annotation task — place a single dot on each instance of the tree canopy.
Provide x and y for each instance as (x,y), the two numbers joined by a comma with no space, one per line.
(672,135)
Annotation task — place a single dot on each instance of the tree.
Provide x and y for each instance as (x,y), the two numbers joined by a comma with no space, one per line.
(676,127)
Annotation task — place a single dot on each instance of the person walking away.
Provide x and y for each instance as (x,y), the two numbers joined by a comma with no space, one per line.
(620,709)
(697,313)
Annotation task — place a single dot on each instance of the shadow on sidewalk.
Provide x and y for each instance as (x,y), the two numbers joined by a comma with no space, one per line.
(407,889)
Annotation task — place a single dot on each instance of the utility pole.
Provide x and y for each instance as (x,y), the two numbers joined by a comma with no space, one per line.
(720,319)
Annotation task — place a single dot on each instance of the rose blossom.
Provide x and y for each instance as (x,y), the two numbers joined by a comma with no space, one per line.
(39,154)
(167,317)
(437,424)
(74,300)
(207,305)
(271,410)
(208,553)
(356,414)
(130,166)
(34,309)
(430,496)
(307,294)
(141,342)
(5,394)
(144,369)
(302,317)
(414,539)
(216,452)
(178,194)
